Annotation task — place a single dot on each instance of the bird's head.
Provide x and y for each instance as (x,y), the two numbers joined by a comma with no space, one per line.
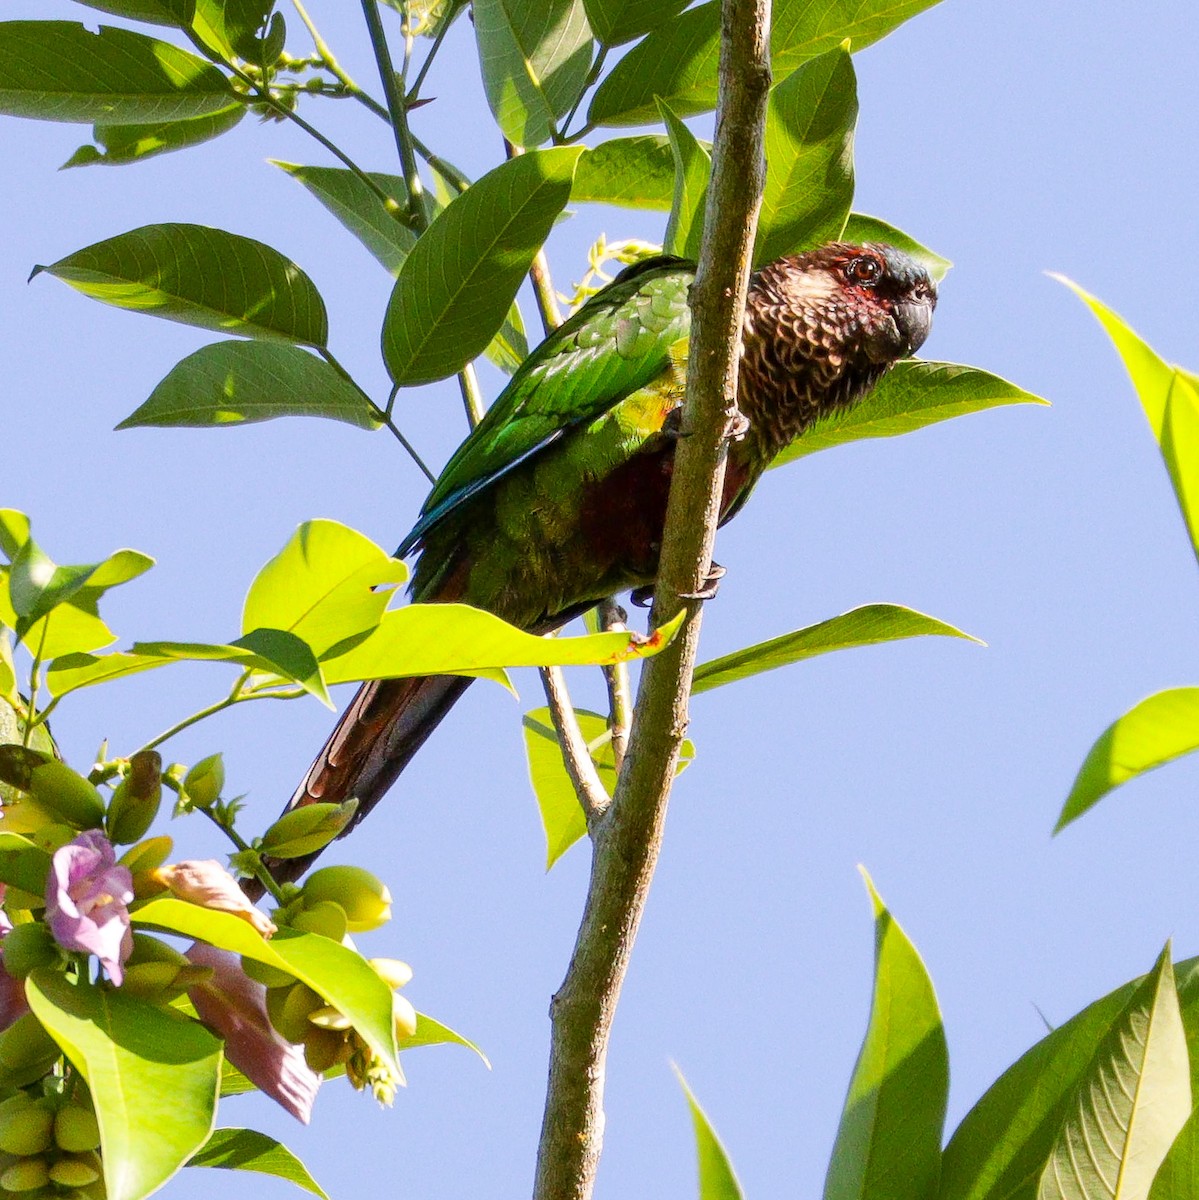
(869,302)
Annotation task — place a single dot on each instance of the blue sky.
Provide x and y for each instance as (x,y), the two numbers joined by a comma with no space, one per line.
(1014,138)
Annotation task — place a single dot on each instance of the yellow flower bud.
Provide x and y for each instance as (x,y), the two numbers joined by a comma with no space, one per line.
(392,971)
(404,1016)
(326,918)
(330,1018)
(289,1008)
(364,897)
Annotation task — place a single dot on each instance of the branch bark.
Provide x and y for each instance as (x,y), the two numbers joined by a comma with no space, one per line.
(575,756)
(628,838)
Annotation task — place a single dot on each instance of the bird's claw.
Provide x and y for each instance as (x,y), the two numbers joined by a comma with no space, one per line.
(711,585)
(738,426)
(643,596)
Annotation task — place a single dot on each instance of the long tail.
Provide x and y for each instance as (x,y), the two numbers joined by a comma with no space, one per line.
(386,723)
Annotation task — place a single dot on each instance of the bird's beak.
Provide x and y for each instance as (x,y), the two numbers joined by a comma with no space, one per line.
(913,319)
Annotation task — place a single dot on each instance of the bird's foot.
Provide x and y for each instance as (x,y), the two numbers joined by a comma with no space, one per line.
(737,427)
(643,596)
(710,586)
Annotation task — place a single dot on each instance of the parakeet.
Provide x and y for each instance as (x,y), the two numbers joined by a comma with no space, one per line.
(558,498)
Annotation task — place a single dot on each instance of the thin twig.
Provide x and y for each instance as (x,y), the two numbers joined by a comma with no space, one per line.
(592,75)
(472,396)
(438,38)
(580,766)
(620,693)
(628,839)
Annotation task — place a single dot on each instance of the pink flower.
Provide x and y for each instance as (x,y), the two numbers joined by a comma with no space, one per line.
(232,1005)
(86,898)
(207,883)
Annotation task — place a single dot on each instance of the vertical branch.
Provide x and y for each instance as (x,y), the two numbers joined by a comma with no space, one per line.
(620,693)
(628,838)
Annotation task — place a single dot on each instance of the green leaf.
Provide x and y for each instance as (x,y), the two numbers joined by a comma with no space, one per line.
(534,55)
(888,1143)
(1156,731)
(716,1178)
(455,639)
(249,1150)
(618,21)
(631,172)
(679,61)
(14,531)
(561,816)
(37,587)
(692,167)
(428,16)
(178,13)
(335,972)
(238,383)
(8,673)
(152,1075)
(910,396)
(329,584)
(433,1033)
(458,283)
(1178,1176)
(1170,399)
(865,626)
(119,145)
(390,240)
(809,157)
(861,228)
(70,671)
(999,1150)
(1134,1099)
(232,27)
(200,276)
(59,71)
(273,652)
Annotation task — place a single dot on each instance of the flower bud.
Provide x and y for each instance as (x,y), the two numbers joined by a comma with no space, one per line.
(73,1173)
(364,897)
(25,1175)
(308,829)
(392,971)
(205,781)
(326,918)
(66,795)
(27,947)
(324,1049)
(147,855)
(206,883)
(134,804)
(75,1128)
(330,1018)
(404,1016)
(26,1126)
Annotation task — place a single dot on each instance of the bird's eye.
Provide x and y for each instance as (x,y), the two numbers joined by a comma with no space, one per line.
(863,270)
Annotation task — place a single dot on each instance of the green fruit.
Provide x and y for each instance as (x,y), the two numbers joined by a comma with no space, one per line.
(71,1172)
(75,1129)
(27,1129)
(25,1044)
(365,898)
(27,947)
(27,1175)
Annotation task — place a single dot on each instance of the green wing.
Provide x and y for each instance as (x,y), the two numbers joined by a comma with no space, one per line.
(617,342)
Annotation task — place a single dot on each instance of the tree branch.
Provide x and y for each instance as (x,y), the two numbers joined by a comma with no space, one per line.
(628,839)
(592,794)
(612,619)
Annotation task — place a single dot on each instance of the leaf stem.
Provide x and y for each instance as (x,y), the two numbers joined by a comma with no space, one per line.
(35,684)
(383,415)
(396,109)
(438,38)
(250,855)
(592,75)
